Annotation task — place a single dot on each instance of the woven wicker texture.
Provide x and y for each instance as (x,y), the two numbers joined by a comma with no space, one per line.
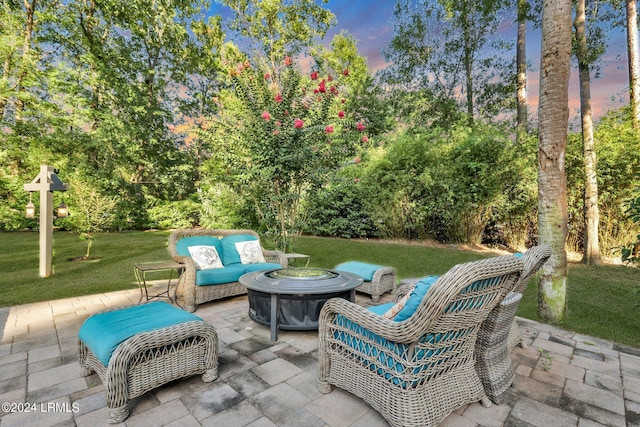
(384,280)
(415,372)
(194,295)
(493,362)
(151,359)
(533,260)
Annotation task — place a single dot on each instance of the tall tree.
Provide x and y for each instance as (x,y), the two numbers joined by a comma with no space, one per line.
(587,53)
(553,114)
(521,65)
(633,55)
(449,48)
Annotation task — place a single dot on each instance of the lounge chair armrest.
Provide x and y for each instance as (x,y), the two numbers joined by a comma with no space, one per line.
(386,328)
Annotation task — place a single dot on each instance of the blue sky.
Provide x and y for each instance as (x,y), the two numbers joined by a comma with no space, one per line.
(368,21)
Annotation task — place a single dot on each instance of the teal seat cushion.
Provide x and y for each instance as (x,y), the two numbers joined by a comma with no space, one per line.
(104,332)
(220,276)
(362,269)
(182,245)
(415,298)
(380,309)
(261,266)
(230,253)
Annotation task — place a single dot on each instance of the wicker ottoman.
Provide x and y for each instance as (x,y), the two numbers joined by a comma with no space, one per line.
(378,279)
(136,349)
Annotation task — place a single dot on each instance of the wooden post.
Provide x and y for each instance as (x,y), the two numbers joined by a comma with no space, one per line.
(46,183)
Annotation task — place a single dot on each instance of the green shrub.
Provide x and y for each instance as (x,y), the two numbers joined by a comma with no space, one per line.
(338,211)
(448,184)
(174,214)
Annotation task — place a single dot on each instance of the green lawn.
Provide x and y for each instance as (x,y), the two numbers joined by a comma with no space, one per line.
(602,301)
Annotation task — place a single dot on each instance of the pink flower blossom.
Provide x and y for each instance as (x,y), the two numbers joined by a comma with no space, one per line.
(333,90)
(314,75)
(330,78)
(287,60)
(360,126)
(278,98)
(365,138)
(329,129)
(321,87)
(276,132)
(357,160)
(278,123)
(266,116)
(345,72)
(267,76)
(341,114)
(298,123)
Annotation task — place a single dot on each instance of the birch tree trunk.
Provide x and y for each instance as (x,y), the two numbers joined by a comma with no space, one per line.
(591,212)
(553,115)
(634,64)
(521,64)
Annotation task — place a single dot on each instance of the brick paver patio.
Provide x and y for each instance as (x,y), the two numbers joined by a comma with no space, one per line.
(563,379)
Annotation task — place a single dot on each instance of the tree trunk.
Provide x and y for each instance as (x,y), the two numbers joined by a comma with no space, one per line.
(634,66)
(521,64)
(30,9)
(468,66)
(553,116)
(591,212)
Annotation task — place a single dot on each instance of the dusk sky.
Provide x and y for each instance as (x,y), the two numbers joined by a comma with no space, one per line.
(369,23)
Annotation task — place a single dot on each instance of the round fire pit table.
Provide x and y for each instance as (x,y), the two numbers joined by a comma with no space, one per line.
(291,298)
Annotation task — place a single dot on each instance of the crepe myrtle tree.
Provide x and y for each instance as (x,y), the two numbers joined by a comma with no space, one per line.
(281,134)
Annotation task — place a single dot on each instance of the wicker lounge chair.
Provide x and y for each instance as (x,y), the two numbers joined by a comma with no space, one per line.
(198,293)
(499,333)
(417,371)
(533,260)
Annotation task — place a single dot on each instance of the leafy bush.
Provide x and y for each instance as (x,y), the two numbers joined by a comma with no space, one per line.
(339,211)
(174,214)
(447,184)
(631,252)
(618,163)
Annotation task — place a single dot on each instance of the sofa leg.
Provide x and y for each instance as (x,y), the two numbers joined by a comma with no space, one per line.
(324,387)
(118,415)
(210,375)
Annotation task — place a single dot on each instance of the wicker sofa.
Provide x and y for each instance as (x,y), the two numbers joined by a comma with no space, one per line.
(416,371)
(200,285)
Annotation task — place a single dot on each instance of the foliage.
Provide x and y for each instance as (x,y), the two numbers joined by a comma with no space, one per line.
(449,50)
(281,135)
(338,210)
(618,153)
(175,214)
(631,252)
(92,211)
(444,185)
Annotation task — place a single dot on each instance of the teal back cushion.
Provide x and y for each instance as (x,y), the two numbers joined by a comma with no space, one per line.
(182,245)
(417,294)
(104,332)
(230,254)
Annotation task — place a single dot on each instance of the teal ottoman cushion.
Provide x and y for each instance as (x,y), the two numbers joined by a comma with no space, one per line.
(104,332)
(362,269)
